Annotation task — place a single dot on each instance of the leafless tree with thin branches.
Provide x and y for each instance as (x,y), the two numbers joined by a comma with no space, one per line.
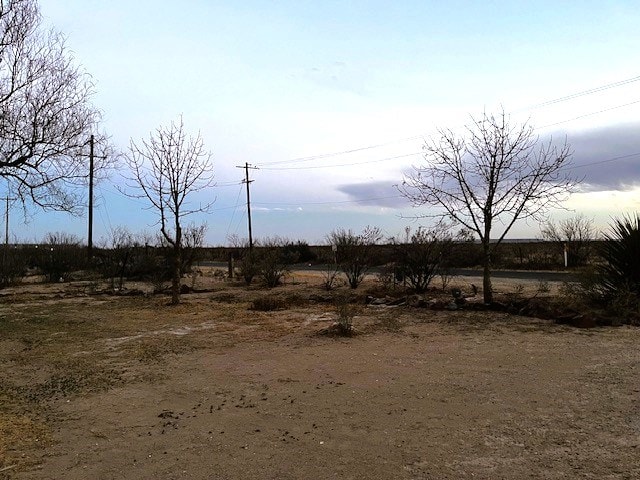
(168,168)
(572,235)
(46,117)
(494,173)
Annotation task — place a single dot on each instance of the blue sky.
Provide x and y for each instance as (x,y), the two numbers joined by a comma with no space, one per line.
(282,84)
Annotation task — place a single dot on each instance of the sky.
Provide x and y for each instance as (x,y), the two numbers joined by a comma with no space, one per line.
(333,101)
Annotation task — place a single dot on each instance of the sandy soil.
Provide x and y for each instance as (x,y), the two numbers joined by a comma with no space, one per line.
(213,390)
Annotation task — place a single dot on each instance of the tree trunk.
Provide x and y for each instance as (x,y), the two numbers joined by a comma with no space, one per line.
(175,279)
(487,288)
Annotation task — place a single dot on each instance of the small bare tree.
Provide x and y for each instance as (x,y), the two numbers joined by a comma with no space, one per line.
(167,169)
(117,254)
(193,239)
(421,258)
(46,118)
(273,260)
(574,234)
(495,172)
(354,252)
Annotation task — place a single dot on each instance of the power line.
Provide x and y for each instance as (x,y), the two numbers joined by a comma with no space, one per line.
(599,162)
(344,164)
(229,184)
(235,208)
(420,153)
(344,152)
(362,200)
(415,137)
(583,93)
(588,114)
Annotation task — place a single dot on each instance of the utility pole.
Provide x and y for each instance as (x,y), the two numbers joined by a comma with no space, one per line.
(90,233)
(246,167)
(7,199)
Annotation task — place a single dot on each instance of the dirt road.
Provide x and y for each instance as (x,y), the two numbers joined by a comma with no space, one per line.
(212,390)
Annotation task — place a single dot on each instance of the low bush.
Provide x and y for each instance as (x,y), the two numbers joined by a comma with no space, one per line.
(268,303)
(13,266)
(59,255)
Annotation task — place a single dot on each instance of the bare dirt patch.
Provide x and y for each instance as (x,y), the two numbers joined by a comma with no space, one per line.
(103,386)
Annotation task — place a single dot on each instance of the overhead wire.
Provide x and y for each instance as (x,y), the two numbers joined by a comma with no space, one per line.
(235,208)
(344,164)
(600,162)
(415,137)
(362,200)
(343,152)
(584,93)
(102,207)
(588,114)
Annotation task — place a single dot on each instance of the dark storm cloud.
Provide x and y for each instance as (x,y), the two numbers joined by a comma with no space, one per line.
(378,194)
(604,159)
(607,158)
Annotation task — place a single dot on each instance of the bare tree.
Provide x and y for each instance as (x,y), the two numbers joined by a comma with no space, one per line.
(273,260)
(574,234)
(117,255)
(421,258)
(193,239)
(46,118)
(354,254)
(492,175)
(167,168)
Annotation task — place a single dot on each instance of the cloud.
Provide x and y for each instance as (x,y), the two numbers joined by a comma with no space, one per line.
(608,158)
(377,194)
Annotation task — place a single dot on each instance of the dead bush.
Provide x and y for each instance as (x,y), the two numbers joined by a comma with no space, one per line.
(268,303)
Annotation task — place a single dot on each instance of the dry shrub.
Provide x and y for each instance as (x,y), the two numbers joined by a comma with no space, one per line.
(346,312)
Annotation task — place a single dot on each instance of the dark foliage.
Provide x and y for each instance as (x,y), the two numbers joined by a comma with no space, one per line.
(620,274)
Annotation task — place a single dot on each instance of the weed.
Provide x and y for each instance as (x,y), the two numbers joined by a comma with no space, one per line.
(345,312)
(543,287)
(515,295)
(329,275)
(386,277)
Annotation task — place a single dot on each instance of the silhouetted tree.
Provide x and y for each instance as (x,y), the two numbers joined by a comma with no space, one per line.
(167,168)
(575,234)
(46,118)
(495,172)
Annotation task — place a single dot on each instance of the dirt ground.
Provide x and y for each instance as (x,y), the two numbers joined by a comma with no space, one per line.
(100,386)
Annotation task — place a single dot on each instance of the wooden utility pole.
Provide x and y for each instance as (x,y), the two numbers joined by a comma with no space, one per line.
(246,167)
(90,233)
(7,199)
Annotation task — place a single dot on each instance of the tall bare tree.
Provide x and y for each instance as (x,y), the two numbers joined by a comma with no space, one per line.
(491,175)
(46,117)
(167,169)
